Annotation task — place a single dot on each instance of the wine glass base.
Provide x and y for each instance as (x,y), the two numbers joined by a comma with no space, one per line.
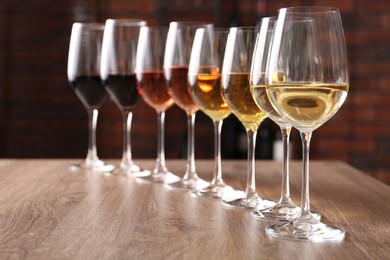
(212,191)
(306,229)
(98,166)
(130,169)
(160,177)
(281,212)
(189,184)
(248,202)
(278,212)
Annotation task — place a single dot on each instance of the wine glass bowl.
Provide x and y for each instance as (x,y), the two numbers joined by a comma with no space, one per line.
(182,98)
(83,76)
(117,72)
(307,92)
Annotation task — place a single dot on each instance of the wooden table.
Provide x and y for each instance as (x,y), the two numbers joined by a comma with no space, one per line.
(50,212)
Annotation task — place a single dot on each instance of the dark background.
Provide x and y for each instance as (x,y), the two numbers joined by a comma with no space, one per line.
(40,116)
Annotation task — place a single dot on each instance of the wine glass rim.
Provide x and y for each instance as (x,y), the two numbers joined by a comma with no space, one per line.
(221,29)
(244,28)
(127,22)
(91,25)
(270,18)
(191,23)
(156,27)
(310,9)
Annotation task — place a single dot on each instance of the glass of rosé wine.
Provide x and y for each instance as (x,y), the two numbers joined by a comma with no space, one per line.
(154,91)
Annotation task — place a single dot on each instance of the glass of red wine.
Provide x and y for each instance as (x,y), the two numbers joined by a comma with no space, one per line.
(153,88)
(117,71)
(176,60)
(83,76)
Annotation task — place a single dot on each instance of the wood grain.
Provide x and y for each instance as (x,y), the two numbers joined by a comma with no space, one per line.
(49,212)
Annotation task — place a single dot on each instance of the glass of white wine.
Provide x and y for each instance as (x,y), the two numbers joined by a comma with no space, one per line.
(307,81)
(285,209)
(204,78)
(236,91)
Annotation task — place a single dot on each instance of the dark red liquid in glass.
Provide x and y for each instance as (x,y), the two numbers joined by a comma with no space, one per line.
(123,90)
(90,90)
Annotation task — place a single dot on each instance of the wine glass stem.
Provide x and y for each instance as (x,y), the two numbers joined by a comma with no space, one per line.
(191,170)
(126,156)
(217,178)
(92,120)
(160,164)
(285,198)
(251,183)
(305,199)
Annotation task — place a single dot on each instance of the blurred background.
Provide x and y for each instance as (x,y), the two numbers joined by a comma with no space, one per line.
(41,117)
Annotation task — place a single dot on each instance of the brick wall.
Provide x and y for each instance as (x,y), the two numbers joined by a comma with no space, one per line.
(40,116)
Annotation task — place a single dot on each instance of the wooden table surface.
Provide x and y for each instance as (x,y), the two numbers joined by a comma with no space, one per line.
(50,212)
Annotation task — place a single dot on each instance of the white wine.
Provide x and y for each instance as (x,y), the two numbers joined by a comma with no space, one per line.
(260,97)
(206,92)
(236,91)
(307,106)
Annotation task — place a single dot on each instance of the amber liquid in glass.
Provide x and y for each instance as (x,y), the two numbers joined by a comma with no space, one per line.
(206,92)
(178,86)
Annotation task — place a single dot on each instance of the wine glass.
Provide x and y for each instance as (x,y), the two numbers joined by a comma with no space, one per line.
(83,76)
(176,60)
(307,81)
(284,209)
(204,77)
(236,91)
(117,72)
(153,88)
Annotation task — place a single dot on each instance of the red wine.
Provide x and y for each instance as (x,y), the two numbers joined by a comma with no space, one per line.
(123,90)
(154,90)
(90,90)
(179,89)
